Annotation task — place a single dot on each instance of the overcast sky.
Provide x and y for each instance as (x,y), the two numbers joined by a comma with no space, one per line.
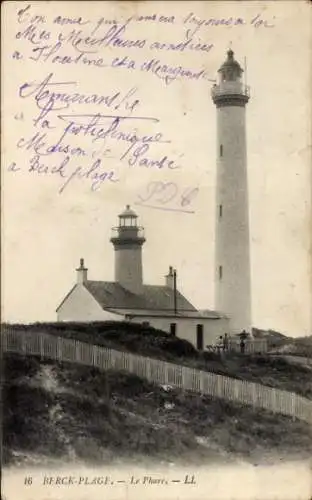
(44,233)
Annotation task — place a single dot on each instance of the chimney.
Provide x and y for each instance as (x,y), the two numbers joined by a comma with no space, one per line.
(170,278)
(82,273)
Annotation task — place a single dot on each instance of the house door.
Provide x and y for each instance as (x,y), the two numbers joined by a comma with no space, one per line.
(200,337)
(173,329)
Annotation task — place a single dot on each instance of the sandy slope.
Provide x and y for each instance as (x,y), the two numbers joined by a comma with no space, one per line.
(63,412)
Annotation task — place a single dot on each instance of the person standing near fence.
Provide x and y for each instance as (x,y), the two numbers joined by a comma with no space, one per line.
(242,346)
(220,347)
(219,344)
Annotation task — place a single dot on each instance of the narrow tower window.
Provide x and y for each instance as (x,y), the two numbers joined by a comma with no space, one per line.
(220,272)
(221,149)
(173,329)
(220,211)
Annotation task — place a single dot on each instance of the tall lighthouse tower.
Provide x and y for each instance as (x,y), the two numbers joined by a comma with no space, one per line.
(128,239)
(232,260)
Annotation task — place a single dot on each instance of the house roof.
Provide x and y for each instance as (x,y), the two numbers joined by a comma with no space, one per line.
(153,297)
(231,63)
(128,212)
(155,300)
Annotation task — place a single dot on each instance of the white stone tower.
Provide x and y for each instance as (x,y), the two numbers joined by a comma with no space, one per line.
(128,239)
(232,259)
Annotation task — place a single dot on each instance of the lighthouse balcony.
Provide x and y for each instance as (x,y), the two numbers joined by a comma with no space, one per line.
(230,89)
(128,234)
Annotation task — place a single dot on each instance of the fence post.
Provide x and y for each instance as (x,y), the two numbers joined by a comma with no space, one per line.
(236,390)
(41,346)
(202,382)
(59,352)
(254,395)
(23,344)
(148,369)
(273,399)
(94,355)
(293,406)
(77,357)
(219,386)
(4,343)
(130,362)
(197,380)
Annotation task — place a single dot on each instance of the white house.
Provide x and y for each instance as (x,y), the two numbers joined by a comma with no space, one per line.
(129,299)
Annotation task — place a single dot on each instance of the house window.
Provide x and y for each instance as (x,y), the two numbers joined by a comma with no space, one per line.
(221,149)
(220,272)
(200,337)
(173,329)
(220,211)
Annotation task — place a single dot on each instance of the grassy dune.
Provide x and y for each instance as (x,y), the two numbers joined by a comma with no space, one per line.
(147,341)
(71,412)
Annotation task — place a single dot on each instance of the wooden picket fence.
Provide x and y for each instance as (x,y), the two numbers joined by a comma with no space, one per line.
(159,372)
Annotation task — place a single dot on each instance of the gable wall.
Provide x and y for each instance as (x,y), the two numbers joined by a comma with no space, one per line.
(81,306)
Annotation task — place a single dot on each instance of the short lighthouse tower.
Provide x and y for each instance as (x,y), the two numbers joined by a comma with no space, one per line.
(128,239)
(232,259)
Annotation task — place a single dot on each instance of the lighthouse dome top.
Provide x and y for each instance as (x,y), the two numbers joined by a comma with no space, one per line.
(230,69)
(128,212)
